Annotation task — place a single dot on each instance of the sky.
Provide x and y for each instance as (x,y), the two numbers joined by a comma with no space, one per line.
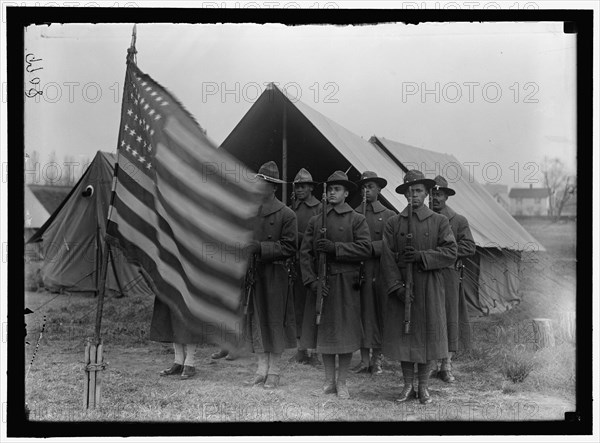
(488,93)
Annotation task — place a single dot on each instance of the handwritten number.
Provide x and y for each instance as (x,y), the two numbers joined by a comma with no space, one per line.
(30,60)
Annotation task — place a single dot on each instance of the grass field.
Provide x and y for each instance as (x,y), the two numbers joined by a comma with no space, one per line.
(133,391)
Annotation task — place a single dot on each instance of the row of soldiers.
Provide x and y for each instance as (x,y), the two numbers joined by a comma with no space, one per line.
(367,254)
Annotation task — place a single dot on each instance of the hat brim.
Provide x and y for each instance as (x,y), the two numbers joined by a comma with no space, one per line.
(429,183)
(381,182)
(315,184)
(270,179)
(350,186)
(448,191)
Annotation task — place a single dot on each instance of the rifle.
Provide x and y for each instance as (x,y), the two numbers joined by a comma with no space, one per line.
(290,265)
(249,282)
(409,269)
(322,289)
(361,273)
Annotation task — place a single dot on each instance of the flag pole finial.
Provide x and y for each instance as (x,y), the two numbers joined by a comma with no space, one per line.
(131,52)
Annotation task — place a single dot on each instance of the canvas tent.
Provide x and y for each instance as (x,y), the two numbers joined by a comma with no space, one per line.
(35,212)
(69,238)
(321,145)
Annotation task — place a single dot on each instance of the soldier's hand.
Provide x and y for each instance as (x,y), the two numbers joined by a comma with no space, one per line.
(325,245)
(314,286)
(410,254)
(253,247)
(401,294)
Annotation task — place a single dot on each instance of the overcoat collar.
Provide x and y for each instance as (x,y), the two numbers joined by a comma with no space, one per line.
(422,213)
(448,212)
(340,209)
(376,205)
(270,207)
(310,202)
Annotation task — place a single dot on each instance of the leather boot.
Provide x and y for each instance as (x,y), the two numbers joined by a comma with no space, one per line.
(424,396)
(406,394)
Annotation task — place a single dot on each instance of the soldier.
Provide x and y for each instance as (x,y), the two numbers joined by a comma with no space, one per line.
(433,249)
(457,314)
(372,295)
(166,326)
(305,205)
(269,324)
(346,242)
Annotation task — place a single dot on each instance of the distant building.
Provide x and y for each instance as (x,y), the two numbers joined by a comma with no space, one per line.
(500,194)
(529,201)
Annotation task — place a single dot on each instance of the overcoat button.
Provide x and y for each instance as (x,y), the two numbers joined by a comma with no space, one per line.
(269,236)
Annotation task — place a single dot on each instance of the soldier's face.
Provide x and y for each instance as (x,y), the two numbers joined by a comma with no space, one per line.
(419,192)
(302,190)
(268,189)
(336,194)
(438,199)
(372,191)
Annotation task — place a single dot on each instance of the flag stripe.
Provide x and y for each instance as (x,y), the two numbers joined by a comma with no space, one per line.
(198,306)
(216,227)
(203,224)
(130,173)
(203,155)
(227,260)
(197,272)
(204,188)
(219,292)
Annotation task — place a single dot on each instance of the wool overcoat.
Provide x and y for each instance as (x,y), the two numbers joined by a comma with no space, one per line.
(340,330)
(269,325)
(373,296)
(304,211)
(457,313)
(436,246)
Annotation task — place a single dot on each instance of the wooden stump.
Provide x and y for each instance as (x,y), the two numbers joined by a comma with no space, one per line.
(567,326)
(543,333)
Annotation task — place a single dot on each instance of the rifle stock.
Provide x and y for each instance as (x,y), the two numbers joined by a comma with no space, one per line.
(322,275)
(409,271)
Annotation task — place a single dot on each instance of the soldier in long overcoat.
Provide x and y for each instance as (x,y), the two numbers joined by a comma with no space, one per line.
(346,243)
(372,294)
(433,248)
(166,326)
(457,313)
(269,324)
(305,205)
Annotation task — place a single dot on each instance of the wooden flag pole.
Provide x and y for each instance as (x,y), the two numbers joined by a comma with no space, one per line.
(94,352)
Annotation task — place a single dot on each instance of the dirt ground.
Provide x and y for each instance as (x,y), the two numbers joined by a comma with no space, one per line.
(133,391)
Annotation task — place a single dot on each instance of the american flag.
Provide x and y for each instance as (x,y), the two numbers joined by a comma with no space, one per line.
(181,208)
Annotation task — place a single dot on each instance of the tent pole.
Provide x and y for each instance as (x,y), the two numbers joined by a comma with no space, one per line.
(284,155)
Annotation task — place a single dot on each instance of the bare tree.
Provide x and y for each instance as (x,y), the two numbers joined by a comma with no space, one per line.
(51,170)
(32,167)
(561,184)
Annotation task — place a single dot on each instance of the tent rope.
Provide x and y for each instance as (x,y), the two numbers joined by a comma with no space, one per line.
(37,346)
